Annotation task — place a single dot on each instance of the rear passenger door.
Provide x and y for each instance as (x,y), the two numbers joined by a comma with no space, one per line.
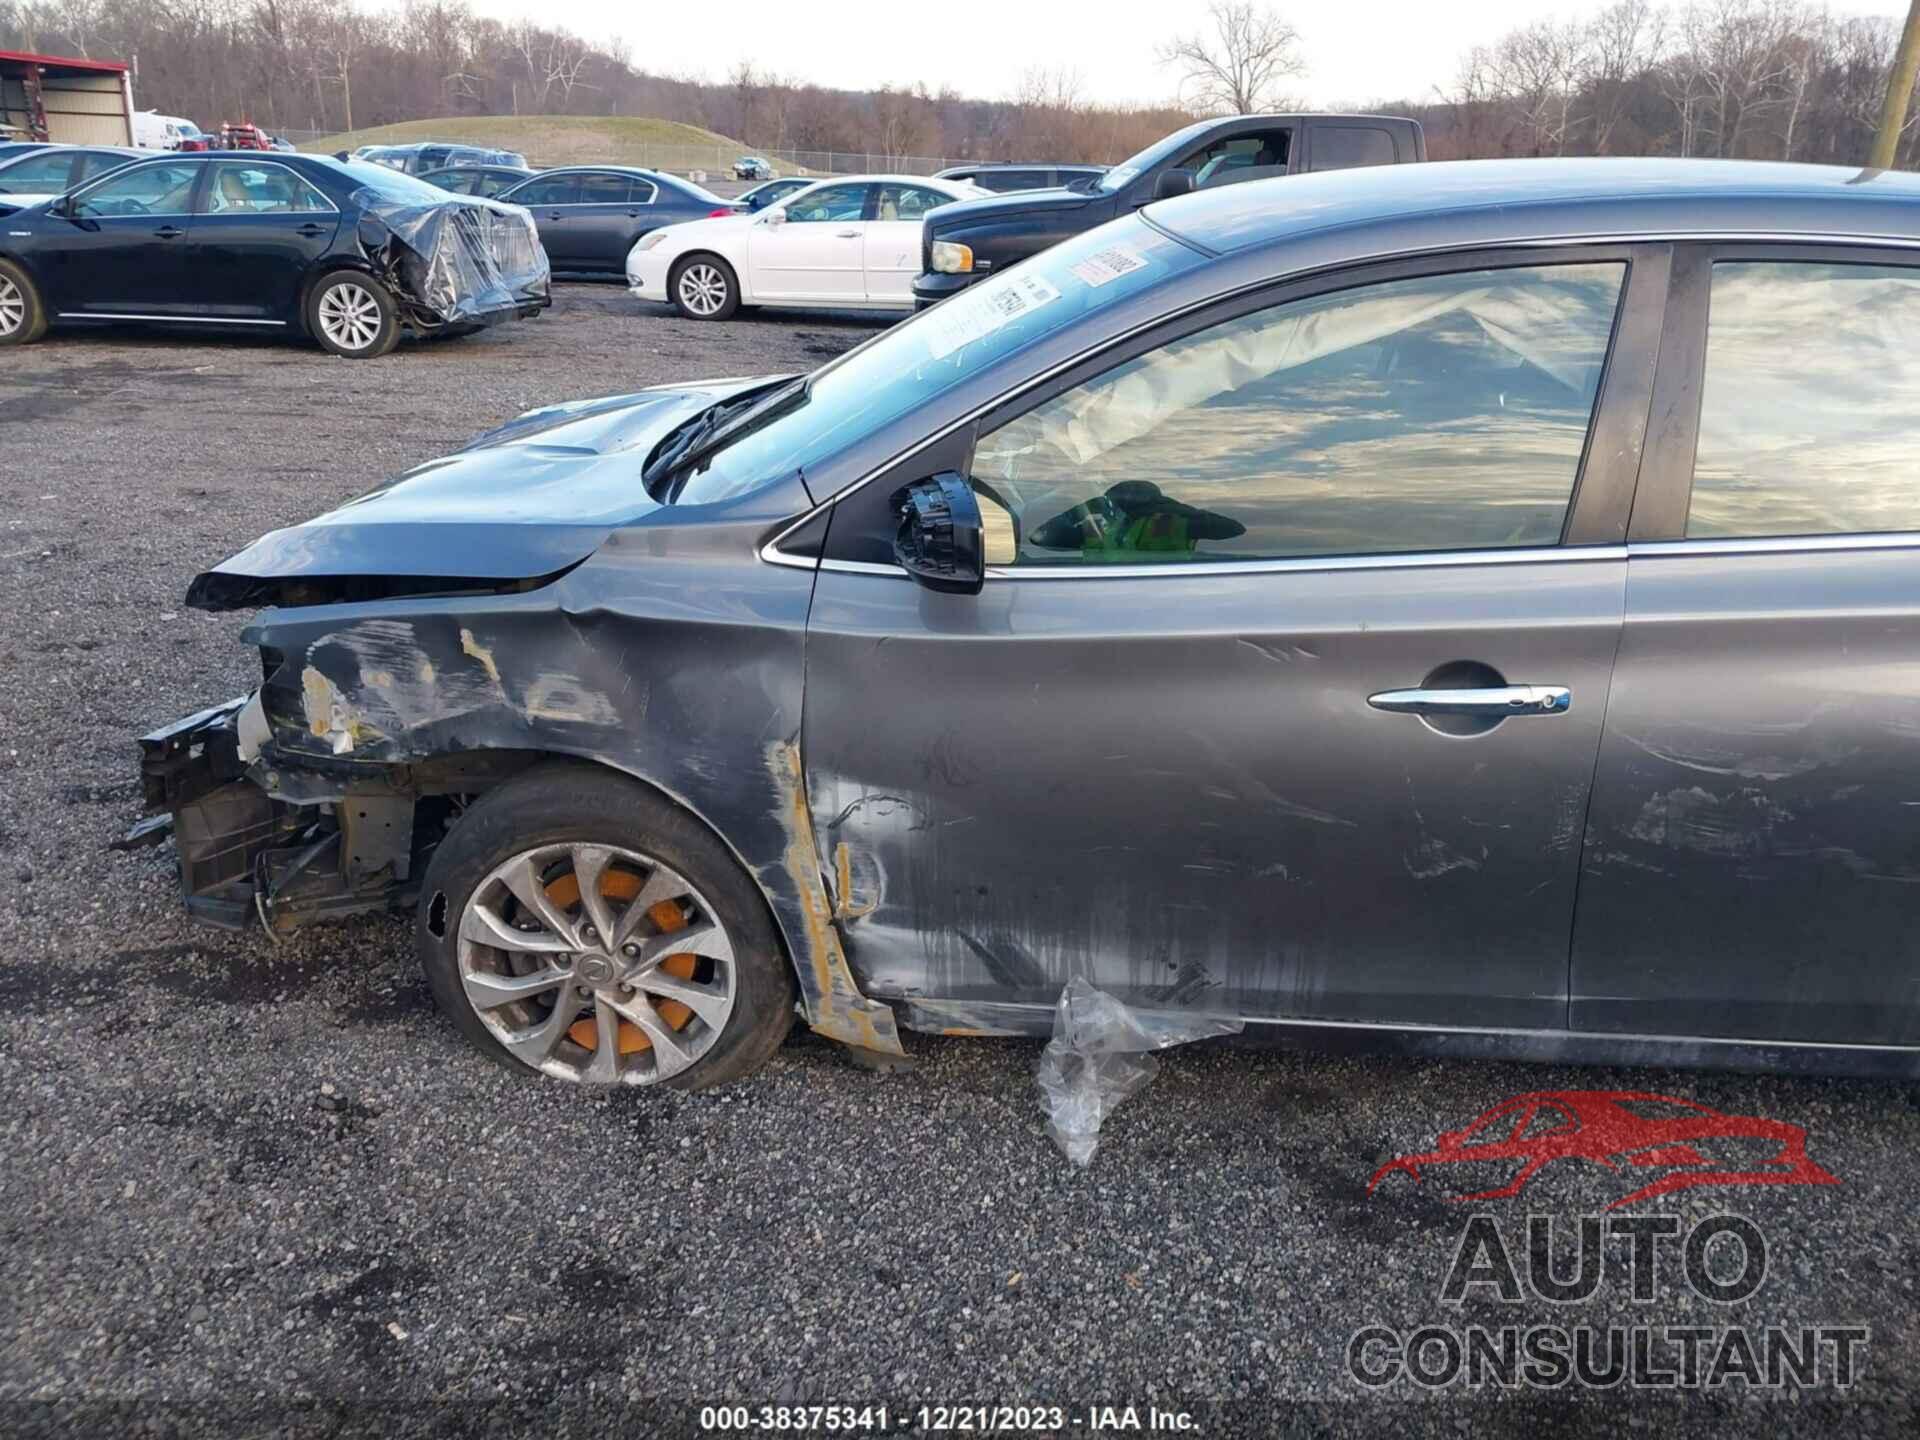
(258,230)
(893,241)
(1752,865)
(609,216)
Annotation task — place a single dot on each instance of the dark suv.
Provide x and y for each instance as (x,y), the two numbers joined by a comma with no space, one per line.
(960,243)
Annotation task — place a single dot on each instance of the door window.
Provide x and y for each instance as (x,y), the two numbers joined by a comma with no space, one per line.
(144,190)
(830,203)
(239,188)
(1448,412)
(1348,147)
(1810,407)
(548,190)
(606,188)
(1244,157)
(909,202)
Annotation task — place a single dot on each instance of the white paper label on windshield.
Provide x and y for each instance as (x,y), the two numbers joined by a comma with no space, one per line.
(1110,264)
(977,313)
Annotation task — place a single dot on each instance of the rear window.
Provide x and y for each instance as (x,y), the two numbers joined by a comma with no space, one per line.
(1349,147)
(391,184)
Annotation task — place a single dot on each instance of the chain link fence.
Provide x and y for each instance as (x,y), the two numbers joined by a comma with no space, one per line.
(716,161)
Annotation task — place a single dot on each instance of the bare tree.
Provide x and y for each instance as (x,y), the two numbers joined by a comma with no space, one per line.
(1239,68)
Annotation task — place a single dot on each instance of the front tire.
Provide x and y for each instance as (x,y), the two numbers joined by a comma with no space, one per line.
(23,316)
(577,924)
(352,315)
(704,287)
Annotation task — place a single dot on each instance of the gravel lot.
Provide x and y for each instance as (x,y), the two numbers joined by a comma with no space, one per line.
(265,1190)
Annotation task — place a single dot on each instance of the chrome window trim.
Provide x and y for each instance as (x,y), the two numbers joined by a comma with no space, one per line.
(1563,242)
(1775,544)
(1297,564)
(774,555)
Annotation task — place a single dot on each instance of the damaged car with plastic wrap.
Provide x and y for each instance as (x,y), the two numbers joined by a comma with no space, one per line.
(1464,608)
(348,254)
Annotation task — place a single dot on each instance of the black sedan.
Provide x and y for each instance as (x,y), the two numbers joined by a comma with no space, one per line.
(487,180)
(347,253)
(1470,606)
(589,216)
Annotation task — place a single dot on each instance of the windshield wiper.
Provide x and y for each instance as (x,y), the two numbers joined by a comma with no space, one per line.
(679,441)
(716,428)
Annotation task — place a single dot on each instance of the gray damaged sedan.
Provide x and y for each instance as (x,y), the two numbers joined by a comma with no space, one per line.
(1472,608)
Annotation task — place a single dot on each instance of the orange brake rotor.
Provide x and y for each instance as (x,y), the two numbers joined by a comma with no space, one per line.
(623,885)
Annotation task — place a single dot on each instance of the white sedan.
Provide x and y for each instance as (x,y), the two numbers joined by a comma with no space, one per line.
(845,244)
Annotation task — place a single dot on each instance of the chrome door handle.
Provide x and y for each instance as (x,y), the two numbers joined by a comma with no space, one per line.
(847,234)
(1504,700)
(168,232)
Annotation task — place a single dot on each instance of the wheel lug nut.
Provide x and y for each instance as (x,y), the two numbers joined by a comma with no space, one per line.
(629,950)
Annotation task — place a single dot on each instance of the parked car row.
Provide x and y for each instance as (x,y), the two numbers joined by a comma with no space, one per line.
(877,242)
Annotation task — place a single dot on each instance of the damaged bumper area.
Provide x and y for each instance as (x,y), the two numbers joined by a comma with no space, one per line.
(465,261)
(257,841)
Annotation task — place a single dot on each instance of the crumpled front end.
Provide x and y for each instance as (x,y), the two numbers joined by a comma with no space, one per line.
(462,261)
(332,846)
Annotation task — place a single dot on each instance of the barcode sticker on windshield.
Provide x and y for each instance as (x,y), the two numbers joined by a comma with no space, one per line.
(1109,264)
(977,313)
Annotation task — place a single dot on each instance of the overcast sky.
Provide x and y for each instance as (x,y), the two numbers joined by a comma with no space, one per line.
(1356,50)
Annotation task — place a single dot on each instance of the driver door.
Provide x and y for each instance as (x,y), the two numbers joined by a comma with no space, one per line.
(819,252)
(1169,745)
(121,251)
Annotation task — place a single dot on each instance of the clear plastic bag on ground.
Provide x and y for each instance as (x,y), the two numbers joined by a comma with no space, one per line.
(1101,1053)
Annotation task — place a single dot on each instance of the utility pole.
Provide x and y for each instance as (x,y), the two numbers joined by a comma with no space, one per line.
(1893,114)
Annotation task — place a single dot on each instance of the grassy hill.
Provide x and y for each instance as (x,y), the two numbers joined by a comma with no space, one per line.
(548,140)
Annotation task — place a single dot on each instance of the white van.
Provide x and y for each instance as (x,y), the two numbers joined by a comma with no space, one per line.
(154,131)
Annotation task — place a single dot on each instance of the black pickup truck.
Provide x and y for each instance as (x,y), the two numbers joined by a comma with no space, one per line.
(960,243)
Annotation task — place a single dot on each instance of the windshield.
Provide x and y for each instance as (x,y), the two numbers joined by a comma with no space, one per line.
(918,360)
(1118,177)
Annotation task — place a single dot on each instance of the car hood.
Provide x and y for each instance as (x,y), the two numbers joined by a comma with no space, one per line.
(522,503)
(999,207)
(14,204)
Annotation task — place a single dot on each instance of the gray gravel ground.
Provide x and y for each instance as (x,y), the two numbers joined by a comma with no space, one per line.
(201,1237)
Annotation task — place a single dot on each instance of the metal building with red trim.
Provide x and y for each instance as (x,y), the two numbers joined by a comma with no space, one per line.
(66,100)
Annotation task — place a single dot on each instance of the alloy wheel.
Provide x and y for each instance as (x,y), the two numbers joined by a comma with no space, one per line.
(703,289)
(596,964)
(350,316)
(13,306)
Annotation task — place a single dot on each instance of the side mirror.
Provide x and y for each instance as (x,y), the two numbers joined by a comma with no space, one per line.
(939,543)
(1173,182)
(776,216)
